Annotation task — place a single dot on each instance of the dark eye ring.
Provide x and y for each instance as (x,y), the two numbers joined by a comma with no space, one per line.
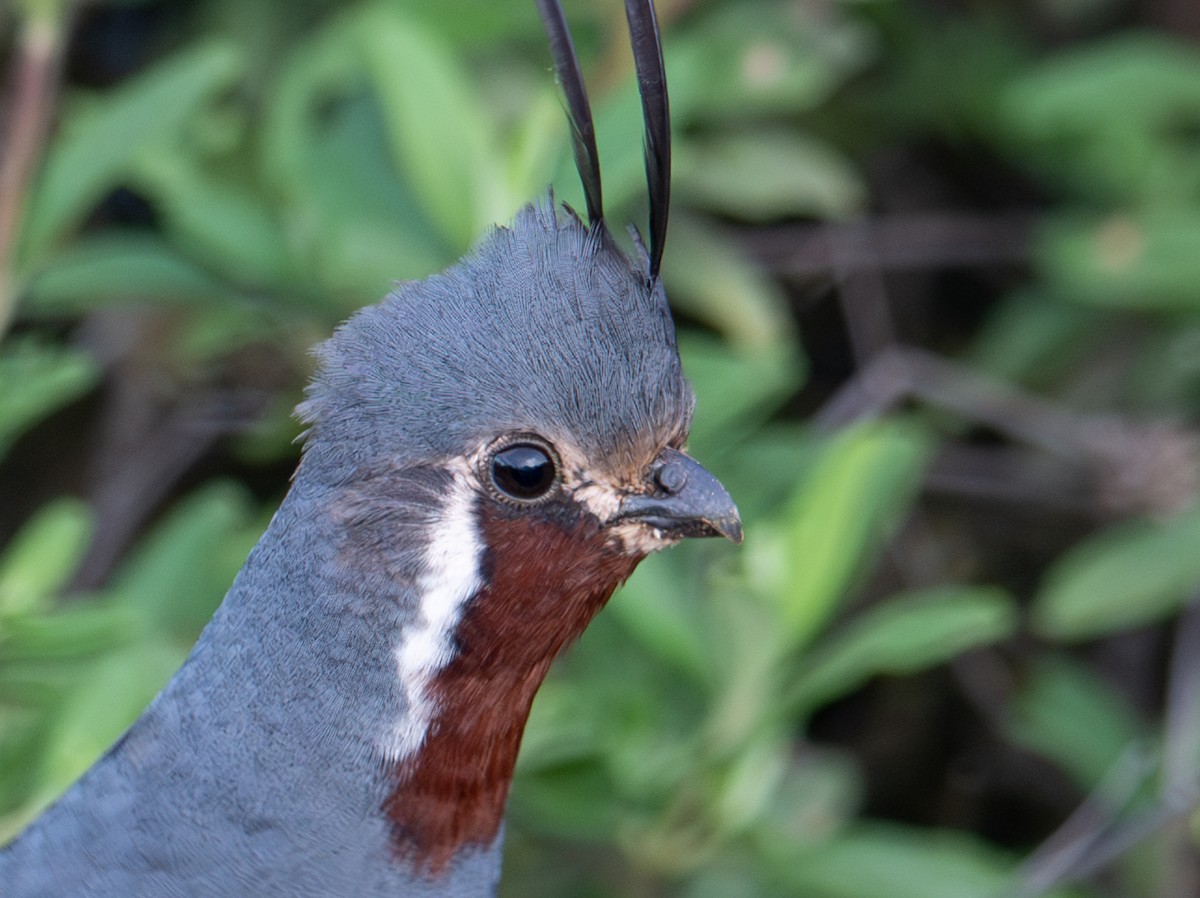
(524,469)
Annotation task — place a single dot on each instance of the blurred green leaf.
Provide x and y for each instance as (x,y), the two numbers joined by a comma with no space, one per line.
(21,736)
(42,13)
(33,684)
(818,795)
(317,72)
(667,622)
(440,133)
(737,389)
(571,801)
(119,268)
(1143,262)
(907,633)
(177,576)
(368,229)
(944,75)
(216,220)
(1066,713)
(36,379)
(216,332)
(759,175)
(1113,118)
(726,65)
(751,782)
(756,470)
(75,632)
(1127,575)
(115,691)
(719,882)
(842,511)
(871,860)
(749,660)
(273,435)
(783,59)
(40,559)
(468,22)
(557,734)
(538,142)
(354,225)
(100,140)
(713,280)
(1034,337)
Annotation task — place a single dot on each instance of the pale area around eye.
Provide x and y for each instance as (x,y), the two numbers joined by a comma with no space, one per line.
(600,494)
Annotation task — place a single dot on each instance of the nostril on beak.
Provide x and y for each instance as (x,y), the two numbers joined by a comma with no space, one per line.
(671,477)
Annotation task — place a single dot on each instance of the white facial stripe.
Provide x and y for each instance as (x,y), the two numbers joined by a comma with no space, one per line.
(451,578)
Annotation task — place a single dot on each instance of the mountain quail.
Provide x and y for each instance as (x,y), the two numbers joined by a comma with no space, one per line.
(490,453)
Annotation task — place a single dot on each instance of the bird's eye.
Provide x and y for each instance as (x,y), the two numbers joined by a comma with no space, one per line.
(524,471)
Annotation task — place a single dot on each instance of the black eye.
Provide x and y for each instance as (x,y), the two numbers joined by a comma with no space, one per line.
(524,471)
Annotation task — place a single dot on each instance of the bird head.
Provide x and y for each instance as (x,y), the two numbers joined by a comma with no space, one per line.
(543,367)
(543,370)
(517,425)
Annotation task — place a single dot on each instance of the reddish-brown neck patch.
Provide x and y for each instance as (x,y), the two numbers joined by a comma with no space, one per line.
(544,583)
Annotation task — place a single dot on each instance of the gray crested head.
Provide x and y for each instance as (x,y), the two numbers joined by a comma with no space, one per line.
(546,326)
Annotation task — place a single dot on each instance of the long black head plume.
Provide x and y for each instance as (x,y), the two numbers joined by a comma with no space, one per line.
(579,111)
(652,85)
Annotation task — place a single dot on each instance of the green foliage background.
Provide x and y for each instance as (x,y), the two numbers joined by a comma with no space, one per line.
(937,267)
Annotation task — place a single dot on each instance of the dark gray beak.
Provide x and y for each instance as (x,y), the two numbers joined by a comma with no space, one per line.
(688,501)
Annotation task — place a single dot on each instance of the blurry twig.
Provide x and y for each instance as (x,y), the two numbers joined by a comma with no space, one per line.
(1091,838)
(36,64)
(1070,860)
(1097,834)
(905,373)
(1181,752)
(1094,836)
(895,243)
(1144,466)
(154,432)
(856,255)
(129,495)
(861,292)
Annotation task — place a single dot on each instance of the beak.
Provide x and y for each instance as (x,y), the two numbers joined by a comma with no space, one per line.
(688,501)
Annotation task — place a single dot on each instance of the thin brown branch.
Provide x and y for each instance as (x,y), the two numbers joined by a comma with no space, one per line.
(1181,753)
(1096,834)
(1137,465)
(895,243)
(861,292)
(35,84)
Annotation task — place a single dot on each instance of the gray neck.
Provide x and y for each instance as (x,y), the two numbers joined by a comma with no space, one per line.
(266,746)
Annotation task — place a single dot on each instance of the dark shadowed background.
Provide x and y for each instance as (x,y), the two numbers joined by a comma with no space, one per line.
(936,265)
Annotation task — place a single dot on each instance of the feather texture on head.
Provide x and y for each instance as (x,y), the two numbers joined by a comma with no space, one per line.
(545,326)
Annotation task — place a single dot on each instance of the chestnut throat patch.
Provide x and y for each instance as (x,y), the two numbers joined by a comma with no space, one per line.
(544,579)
